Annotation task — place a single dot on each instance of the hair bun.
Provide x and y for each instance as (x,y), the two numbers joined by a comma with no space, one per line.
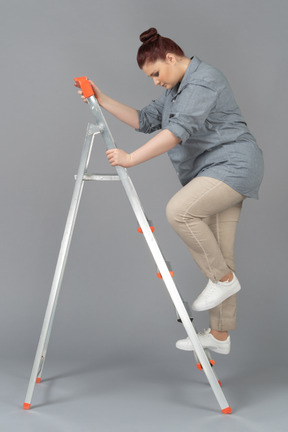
(150,35)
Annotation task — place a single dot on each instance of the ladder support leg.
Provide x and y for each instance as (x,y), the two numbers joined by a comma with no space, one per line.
(60,267)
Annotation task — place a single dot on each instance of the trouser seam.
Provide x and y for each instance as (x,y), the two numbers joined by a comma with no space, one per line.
(186,224)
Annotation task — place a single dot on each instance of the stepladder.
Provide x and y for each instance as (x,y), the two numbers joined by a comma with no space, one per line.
(99,127)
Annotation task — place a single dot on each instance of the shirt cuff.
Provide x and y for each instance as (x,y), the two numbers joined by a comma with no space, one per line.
(179,131)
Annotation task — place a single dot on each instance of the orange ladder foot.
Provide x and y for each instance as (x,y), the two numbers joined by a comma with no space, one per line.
(227,410)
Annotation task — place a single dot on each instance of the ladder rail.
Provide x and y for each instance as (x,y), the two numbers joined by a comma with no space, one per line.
(158,257)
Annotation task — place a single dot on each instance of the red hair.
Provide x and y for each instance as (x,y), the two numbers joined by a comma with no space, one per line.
(155,47)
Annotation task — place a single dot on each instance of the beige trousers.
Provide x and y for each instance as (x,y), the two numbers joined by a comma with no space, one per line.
(205,214)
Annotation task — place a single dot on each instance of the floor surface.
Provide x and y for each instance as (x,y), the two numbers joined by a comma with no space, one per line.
(136,395)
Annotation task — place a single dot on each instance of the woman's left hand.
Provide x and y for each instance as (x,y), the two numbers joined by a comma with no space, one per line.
(118,157)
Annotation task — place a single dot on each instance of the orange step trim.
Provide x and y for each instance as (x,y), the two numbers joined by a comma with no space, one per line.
(141,232)
(160,276)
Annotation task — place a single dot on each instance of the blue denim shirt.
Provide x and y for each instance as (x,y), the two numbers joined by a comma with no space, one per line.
(215,140)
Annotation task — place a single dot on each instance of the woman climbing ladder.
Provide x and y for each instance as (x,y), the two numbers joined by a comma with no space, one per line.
(216,159)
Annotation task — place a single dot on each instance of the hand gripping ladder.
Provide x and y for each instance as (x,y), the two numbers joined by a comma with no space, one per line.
(202,356)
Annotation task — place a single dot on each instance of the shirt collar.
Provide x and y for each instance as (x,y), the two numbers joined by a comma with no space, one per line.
(192,67)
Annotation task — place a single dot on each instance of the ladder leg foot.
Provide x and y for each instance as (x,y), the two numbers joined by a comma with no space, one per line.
(227,410)
(26,406)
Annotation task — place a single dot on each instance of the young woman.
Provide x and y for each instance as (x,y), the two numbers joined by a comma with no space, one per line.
(216,159)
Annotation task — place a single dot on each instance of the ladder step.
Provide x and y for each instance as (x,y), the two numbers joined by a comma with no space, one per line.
(160,276)
(169,268)
(141,232)
(188,309)
(211,361)
(150,223)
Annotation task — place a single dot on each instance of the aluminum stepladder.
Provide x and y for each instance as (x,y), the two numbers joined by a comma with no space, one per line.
(202,356)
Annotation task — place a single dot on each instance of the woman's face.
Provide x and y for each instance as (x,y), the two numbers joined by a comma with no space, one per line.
(164,72)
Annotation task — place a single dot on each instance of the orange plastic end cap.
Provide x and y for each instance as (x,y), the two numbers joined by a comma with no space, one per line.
(227,410)
(85,86)
(26,406)
(38,380)
(220,383)
(212,362)
(199,366)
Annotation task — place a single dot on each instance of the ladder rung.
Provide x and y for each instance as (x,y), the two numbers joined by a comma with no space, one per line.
(100,177)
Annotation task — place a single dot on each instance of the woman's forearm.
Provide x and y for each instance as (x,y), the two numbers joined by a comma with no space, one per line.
(159,144)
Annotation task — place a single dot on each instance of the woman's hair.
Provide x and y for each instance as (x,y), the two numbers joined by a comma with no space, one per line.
(155,47)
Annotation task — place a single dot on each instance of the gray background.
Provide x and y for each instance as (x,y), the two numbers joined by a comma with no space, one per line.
(112,363)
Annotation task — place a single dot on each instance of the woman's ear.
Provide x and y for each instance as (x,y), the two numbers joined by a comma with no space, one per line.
(170,58)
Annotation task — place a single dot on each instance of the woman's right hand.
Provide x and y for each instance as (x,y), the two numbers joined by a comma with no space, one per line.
(97,92)
(122,112)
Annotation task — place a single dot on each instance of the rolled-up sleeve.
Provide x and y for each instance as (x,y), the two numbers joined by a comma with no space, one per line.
(190,109)
(150,117)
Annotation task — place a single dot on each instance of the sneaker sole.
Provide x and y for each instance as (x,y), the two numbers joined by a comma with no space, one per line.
(184,349)
(209,348)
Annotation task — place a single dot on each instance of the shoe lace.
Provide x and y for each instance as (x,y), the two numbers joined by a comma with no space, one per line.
(204,332)
(210,290)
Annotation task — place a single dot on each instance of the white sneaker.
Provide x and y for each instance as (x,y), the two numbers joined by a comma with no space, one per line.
(216,293)
(207,340)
